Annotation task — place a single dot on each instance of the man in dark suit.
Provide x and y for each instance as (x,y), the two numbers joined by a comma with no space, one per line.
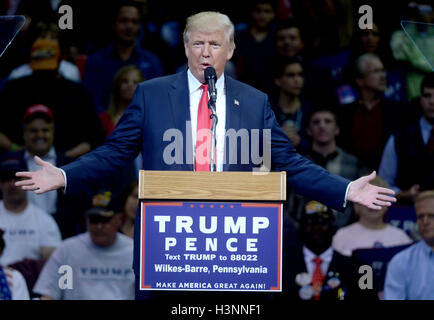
(164,117)
(312,270)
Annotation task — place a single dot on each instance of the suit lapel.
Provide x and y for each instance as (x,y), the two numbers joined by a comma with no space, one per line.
(233,109)
(180,109)
(180,101)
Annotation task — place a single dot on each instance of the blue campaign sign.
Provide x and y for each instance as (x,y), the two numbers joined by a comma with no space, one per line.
(211,246)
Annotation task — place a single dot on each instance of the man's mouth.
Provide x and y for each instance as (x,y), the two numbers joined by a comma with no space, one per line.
(40,141)
(205,65)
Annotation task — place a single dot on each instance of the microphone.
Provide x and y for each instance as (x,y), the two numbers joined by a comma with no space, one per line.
(210,79)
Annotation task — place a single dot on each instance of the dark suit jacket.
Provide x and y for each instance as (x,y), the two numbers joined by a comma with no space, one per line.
(162,104)
(340,267)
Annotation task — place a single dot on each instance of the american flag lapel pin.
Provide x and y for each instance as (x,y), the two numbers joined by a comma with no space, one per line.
(236,102)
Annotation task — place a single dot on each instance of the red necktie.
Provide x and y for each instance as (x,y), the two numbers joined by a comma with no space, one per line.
(430,144)
(317,278)
(203,133)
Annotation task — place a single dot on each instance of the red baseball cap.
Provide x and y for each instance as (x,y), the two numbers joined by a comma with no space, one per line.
(38,109)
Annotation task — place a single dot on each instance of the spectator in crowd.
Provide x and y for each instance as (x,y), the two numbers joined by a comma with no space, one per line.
(129,201)
(29,232)
(370,231)
(69,101)
(413,46)
(46,45)
(323,130)
(342,65)
(124,49)
(12,283)
(101,259)
(289,106)
(408,158)
(255,46)
(38,133)
(329,23)
(290,40)
(314,271)
(123,87)
(367,123)
(410,273)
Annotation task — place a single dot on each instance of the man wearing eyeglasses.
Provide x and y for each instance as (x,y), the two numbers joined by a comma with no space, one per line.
(367,123)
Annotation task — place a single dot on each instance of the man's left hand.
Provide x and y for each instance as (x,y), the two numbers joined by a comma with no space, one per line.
(368,195)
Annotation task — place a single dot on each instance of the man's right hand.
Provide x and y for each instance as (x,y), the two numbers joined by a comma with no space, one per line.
(45,179)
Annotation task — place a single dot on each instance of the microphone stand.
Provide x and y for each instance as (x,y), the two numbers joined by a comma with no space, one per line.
(211,106)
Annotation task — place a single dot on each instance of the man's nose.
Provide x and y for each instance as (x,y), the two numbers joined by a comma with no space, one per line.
(206,51)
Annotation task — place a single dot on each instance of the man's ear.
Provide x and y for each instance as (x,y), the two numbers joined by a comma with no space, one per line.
(230,54)
(186,49)
(359,82)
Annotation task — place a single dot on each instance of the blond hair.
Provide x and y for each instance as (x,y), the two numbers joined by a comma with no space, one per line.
(428,194)
(210,21)
(113,107)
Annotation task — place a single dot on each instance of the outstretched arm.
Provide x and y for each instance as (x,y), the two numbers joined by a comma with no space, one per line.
(45,179)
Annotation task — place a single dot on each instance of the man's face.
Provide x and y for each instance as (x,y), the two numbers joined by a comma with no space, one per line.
(317,236)
(102,230)
(289,42)
(370,39)
(38,137)
(427,103)
(292,79)
(205,50)
(127,24)
(425,219)
(262,15)
(323,127)
(375,76)
(10,192)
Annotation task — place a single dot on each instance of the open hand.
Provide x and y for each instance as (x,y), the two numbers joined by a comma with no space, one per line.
(368,195)
(45,179)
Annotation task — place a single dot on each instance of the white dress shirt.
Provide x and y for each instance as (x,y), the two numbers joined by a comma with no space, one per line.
(326,257)
(195,93)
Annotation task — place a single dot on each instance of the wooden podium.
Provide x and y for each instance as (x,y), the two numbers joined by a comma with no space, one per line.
(211,231)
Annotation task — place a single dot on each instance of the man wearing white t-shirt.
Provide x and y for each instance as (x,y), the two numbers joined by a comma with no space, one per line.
(99,261)
(29,232)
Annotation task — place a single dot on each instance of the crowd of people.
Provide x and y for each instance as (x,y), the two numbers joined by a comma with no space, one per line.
(350,100)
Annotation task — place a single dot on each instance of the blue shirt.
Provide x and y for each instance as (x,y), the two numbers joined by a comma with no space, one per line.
(410,274)
(102,66)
